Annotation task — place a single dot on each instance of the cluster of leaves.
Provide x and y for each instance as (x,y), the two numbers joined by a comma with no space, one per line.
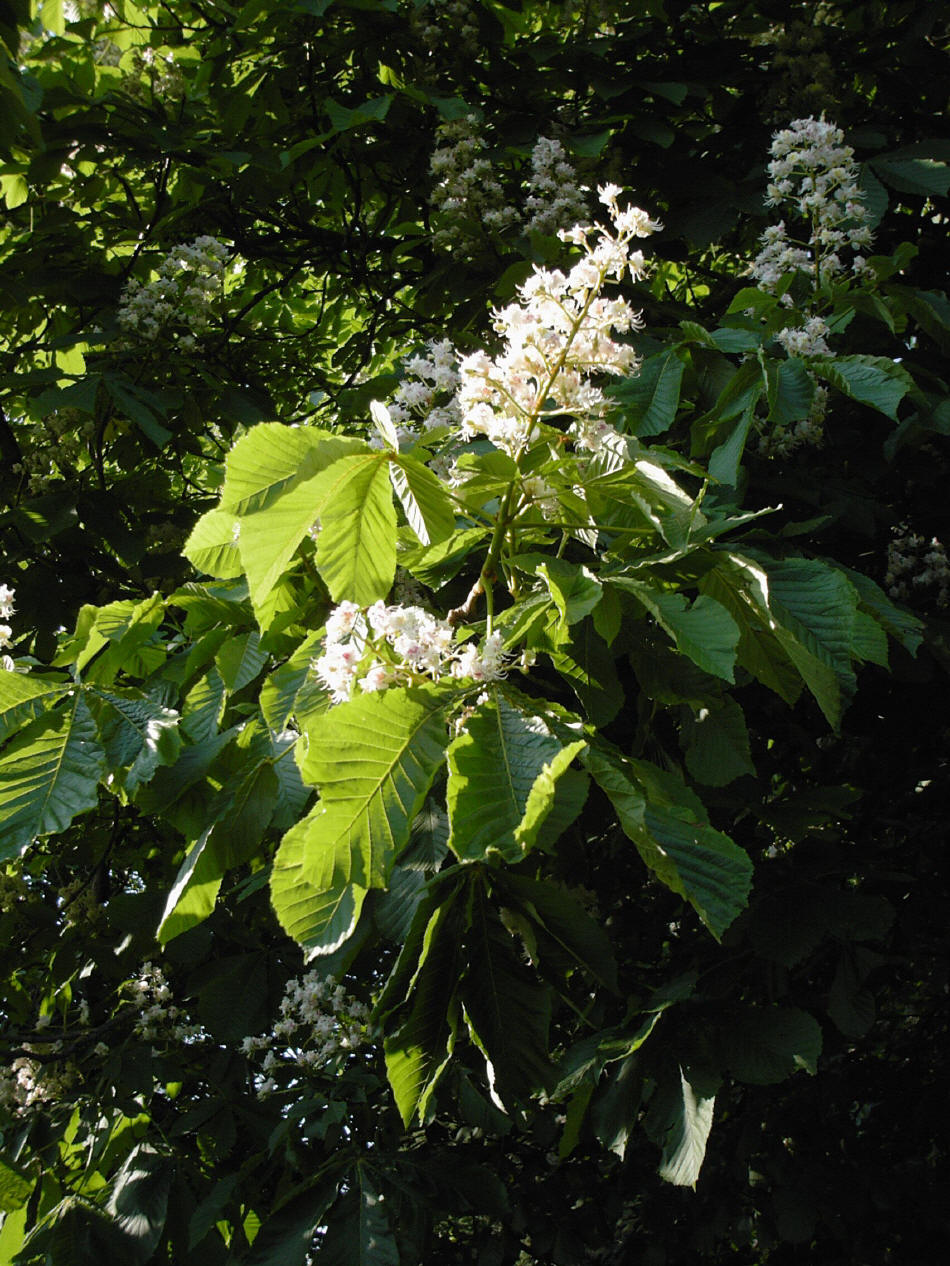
(652,870)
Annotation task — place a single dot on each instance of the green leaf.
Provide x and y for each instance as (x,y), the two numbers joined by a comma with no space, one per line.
(356,548)
(741,586)
(507,1010)
(503,771)
(679,1119)
(240,660)
(872,380)
(135,731)
(270,459)
(420,1035)
(576,591)
(684,851)
(318,918)
(15,1186)
(762,1046)
(716,744)
(286,1236)
(814,610)
(23,697)
(212,546)
(49,773)
(139,1199)
(790,392)
(913,171)
(565,921)
(427,505)
(373,759)
(652,395)
(705,631)
(587,665)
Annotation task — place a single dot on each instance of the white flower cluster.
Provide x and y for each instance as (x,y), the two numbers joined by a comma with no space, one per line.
(6,632)
(190,280)
(29,1084)
(814,174)
(917,568)
(809,340)
(430,378)
(396,646)
(319,1022)
(158,1019)
(555,200)
(556,338)
(448,25)
(467,192)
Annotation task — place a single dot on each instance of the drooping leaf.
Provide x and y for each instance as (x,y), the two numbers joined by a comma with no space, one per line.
(688,855)
(507,1008)
(679,1120)
(139,1198)
(420,1033)
(562,917)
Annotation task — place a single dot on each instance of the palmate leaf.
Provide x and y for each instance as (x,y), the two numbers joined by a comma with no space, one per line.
(373,760)
(271,533)
(271,458)
(715,742)
(49,773)
(764,1045)
(139,1199)
(665,821)
(213,545)
(503,772)
(358,1229)
(797,612)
